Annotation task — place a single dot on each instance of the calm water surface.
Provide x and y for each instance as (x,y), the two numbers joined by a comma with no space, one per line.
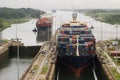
(9,70)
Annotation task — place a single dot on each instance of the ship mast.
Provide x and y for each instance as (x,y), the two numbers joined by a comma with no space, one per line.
(74,16)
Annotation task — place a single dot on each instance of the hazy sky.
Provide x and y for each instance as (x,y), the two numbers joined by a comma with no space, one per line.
(58,4)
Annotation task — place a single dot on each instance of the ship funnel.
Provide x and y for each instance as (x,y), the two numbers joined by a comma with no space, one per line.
(74,16)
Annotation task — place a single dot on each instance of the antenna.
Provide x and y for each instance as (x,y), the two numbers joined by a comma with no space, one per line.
(74,16)
(16,31)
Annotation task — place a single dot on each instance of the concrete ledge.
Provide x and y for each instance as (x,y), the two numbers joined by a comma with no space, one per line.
(4,52)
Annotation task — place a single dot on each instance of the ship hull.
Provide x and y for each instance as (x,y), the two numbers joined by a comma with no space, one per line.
(44,28)
(75,64)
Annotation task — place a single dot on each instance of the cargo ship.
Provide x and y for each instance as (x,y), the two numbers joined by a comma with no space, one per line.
(76,46)
(44,27)
(44,22)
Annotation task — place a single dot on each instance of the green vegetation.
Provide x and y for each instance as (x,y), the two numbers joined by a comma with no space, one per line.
(105,15)
(44,69)
(9,16)
(9,13)
(117,75)
(112,69)
(4,23)
(2,42)
(35,67)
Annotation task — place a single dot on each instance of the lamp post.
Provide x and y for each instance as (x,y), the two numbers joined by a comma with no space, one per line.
(115,45)
(101,31)
(17,39)
(92,23)
(116,26)
(48,31)
(55,23)
(17,52)
(18,57)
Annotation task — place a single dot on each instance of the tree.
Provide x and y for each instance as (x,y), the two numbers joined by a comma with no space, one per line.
(10,13)
(1,23)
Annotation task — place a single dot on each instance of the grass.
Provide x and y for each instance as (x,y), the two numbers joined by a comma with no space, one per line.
(113,70)
(117,75)
(116,61)
(44,69)
(35,67)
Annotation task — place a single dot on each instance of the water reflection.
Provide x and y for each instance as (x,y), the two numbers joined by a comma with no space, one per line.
(8,69)
(4,64)
(43,36)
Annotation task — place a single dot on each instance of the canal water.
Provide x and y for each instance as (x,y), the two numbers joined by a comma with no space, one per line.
(8,70)
(22,31)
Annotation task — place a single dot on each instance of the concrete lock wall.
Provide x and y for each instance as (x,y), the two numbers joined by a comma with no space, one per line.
(4,54)
(24,51)
(100,71)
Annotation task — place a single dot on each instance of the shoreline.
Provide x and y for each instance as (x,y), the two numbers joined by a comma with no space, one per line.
(9,22)
(106,16)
